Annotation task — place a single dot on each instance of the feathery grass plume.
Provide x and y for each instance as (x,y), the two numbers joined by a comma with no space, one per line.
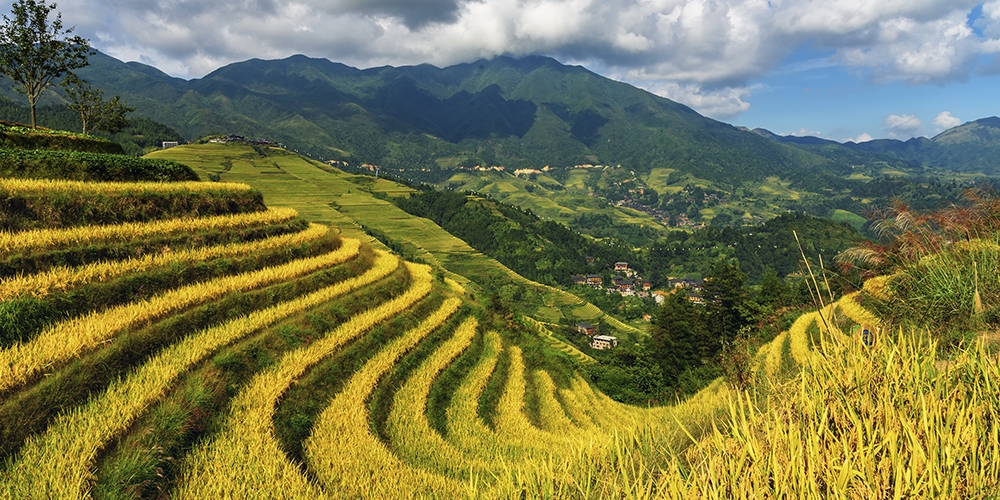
(977,301)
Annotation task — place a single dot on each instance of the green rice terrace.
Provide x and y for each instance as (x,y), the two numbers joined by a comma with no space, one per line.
(249,339)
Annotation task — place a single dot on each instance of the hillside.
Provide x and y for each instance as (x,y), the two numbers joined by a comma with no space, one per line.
(526,112)
(355,204)
(245,351)
(971,147)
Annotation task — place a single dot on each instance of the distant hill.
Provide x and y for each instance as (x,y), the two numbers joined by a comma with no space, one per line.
(971,147)
(526,112)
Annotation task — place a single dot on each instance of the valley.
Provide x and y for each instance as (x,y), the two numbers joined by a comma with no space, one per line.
(511,278)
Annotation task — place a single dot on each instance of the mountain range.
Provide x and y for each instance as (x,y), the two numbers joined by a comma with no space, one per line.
(519,113)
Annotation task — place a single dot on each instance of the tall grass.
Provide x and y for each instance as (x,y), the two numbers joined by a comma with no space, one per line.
(956,290)
(886,421)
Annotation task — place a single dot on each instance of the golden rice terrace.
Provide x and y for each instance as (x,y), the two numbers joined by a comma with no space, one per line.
(182,340)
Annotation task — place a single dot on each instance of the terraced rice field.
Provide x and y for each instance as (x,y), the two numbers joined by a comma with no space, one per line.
(255,355)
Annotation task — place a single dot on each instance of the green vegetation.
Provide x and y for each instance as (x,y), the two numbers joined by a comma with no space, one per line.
(14,136)
(37,50)
(368,377)
(77,165)
(355,204)
(138,137)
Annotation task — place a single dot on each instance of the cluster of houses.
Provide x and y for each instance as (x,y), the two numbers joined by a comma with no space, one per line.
(632,286)
(599,342)
(240,138)
(691,286)
(628,285)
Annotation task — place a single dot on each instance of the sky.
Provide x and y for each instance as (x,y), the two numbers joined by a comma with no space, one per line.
(838,69)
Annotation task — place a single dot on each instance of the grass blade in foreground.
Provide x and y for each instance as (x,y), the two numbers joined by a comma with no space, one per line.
(57,464)
(347,458)
(68,339)
(246,460)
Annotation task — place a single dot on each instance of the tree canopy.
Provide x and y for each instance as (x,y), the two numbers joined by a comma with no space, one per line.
(35,50)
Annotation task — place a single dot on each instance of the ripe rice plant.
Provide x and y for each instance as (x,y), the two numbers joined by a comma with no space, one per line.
(49,239)
(775,354)
(62,186)
(245,459)
(849,305)
(575,409)
(342,451)
(799,338)
(62,278)
(466,430)
(57,464)
(552,417)
(883,421)
(408,428)
(68,339)
(511,422)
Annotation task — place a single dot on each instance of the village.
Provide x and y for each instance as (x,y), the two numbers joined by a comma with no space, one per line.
(627,283)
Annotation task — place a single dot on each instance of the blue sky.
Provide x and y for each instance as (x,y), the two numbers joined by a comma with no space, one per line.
(810,95)
(841,69)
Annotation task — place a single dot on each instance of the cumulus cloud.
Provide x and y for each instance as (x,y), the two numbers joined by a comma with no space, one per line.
(945,120)
(716,103)
(804,132)
(902,126)
(864,137)
(702,52)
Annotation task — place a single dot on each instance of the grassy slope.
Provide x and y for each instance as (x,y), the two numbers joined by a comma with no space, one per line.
(562,205)
(288,180)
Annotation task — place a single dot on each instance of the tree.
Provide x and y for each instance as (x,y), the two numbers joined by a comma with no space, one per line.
(35,50)
(726,307)
(678,341)
(95,112)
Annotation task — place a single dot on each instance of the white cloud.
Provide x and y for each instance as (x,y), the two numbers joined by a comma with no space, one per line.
(864,137)
(944,120)
(719,103)
(702,52)
(804,132)
(902,126)
(938,50)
